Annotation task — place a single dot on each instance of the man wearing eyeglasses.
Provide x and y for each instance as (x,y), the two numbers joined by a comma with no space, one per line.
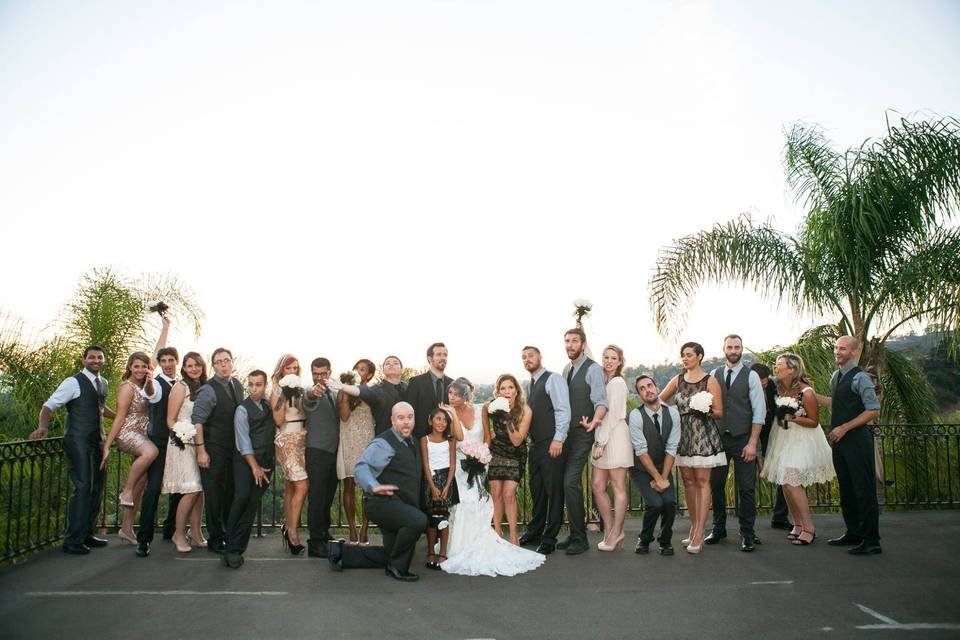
(213,414)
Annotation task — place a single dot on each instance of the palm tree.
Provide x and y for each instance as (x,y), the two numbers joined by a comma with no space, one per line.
(871,255)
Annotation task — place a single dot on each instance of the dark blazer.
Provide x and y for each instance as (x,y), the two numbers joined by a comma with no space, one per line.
(422,395)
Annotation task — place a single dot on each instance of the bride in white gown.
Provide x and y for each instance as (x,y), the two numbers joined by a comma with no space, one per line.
(475,549)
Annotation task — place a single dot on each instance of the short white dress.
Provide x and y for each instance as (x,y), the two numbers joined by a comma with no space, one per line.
(799,456)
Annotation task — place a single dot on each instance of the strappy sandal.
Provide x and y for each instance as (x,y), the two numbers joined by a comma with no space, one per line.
(800,542)
(432,564)
(793,536)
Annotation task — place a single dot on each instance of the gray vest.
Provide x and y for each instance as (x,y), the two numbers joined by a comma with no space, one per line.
(323,423)
(737,410)
(656,443)
(85,413)
(580,404)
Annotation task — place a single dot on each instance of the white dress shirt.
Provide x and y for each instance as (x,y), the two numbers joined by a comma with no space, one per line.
(69,390)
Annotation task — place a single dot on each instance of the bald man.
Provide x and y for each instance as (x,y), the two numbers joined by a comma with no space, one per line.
(390,473)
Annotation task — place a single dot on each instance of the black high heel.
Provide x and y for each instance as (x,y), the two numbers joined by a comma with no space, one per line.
(295,549)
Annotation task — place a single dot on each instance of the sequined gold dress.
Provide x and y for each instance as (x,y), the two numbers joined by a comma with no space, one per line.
(133,431)
(291,442)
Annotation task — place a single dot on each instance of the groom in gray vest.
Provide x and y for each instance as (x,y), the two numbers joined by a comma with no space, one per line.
(588,405)
(744,410)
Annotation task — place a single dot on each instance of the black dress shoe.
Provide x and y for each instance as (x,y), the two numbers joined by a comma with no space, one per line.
(715,537)
(334,553)
(786,525)
(233,559)
(563,544)
(403,576)
(643,548)
(545,549)
(575,548)
(317,548)
(94,541)
(865,549)
(75,549)
(527,540)
(143,549)
(666,549)
(214,547)
(746,544)
(846,540)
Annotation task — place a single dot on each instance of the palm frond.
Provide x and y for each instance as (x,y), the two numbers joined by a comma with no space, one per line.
(906,394)
(176,294)
(814,169)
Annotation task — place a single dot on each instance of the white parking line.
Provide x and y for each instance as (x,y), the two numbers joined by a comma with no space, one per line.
(891,624)
(55,594)
(245,559)
(773,582)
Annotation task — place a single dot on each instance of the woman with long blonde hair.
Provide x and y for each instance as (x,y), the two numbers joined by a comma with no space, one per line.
(286,401)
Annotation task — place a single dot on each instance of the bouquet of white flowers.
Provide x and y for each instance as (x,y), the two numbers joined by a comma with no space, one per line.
(291,387)
(701,402)
(499,412)
(350,377)
(183,433)
(785,406)
(581,309)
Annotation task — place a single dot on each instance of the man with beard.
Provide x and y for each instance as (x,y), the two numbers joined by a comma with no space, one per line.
(744,411)
(428,390)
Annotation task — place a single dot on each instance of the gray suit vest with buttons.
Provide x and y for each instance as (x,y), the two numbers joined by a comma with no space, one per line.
(737,410)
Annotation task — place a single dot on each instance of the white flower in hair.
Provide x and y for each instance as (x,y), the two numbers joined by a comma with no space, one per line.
(290,381)
(499,404)
(701,401)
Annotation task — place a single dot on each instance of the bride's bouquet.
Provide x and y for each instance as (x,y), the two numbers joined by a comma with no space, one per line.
(475,464)
(158,306)
(350,377)
(499,412)
(701,402)
(581,309)
(787,405)
(183,433)
(291,388)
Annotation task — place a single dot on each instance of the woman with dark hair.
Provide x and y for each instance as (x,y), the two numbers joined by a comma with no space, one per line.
(612,453)
(356,432)
(291,444)
(129,429)
(700,448)
(509,449)
(438,451)
(181,473)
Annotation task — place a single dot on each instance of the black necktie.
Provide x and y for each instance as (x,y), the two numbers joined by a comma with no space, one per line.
(570,374)
(729,376)
(656,423)
(333,403)
(439,390)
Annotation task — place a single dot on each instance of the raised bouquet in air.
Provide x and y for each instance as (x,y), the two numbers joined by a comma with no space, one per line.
(158,306)
(475,464)
(291,387)
(581,309)
(350,377)
(701,402)
(785,406)
(499,412)
(183,433)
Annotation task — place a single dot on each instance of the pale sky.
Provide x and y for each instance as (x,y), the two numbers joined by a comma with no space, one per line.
(354,179)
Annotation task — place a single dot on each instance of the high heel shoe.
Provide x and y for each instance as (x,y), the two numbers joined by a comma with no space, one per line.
(295,549)
(200,544)
(182,547)
(800,542)
(124,502)
(125,538)
(695,548)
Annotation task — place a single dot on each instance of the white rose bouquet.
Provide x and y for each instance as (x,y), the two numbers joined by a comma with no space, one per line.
(581,309)
(183,433)
(291,387)
(350,377)
(785,406)
(499,412)
(701,402)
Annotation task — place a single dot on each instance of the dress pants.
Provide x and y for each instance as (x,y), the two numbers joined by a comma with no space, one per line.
(745,484)
(546,493)
(151,496)
(780,511)
(322,475)
(576,452)
(84,453)
(855,464)
(217,481)
(401,525)
(243,510)
(656,505)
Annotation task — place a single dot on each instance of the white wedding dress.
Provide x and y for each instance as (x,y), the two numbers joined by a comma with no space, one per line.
(474,547)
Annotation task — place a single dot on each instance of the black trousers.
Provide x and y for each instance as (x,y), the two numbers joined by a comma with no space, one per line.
(576,452)
(243,509)
(151,497)
(322,475)
(401,525)
(656,506)
(546,493)
(745,484)
(84,454)
(855,464)
(217,481)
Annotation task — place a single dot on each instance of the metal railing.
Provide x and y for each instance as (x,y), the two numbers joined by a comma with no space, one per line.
(919,468)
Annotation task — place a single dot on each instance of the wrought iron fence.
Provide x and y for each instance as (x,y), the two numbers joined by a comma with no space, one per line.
(917,465)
